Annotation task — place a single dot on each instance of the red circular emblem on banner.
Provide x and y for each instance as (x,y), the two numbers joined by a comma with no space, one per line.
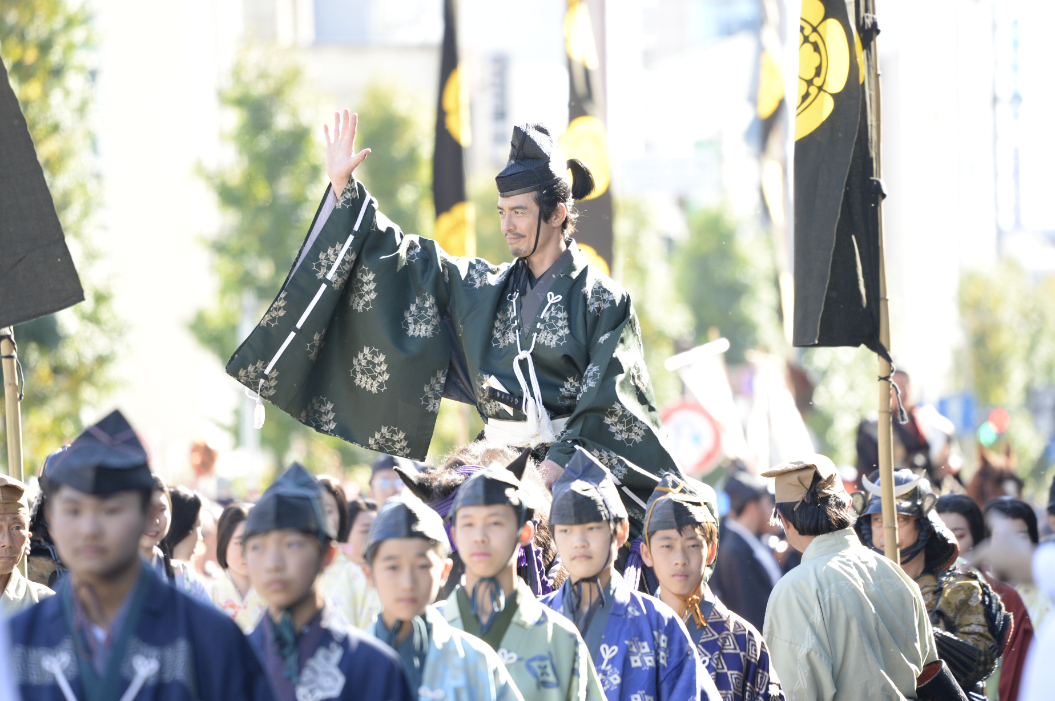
(695,437)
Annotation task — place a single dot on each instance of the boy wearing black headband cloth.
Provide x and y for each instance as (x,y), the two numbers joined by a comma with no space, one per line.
(307,649)
(680,545)
(543,652)
(548,349)
(639,646)
(115,629)
(407,562)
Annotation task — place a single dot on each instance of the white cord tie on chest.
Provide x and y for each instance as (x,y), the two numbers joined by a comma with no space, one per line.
(539,426)
(57,664)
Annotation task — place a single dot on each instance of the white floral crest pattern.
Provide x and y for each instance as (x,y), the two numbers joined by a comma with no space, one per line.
(250,377)
(322,677)
(479,274)
(316,344)
(364,290)
(590,378)
(319,415)
(605,337)
(640,654)
(370,370)
(277,309)
(422,318)
(505,331)
(389,440)
(598,298)
(347,195)
(661,647)
(554,326)
(612,461)
(434,392)
(326,260)
(626,427)
(569,392)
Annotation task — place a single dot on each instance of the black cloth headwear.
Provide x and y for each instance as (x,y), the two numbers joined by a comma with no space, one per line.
(390,462)
(294,502)
(585,493)
(106,458)
(494,485)
(676,503)
(405,516)
(535,161)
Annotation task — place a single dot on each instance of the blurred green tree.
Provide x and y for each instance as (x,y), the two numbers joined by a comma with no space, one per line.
(845,391)
(726,275)
(1008,321)
(68,357)
(643,265)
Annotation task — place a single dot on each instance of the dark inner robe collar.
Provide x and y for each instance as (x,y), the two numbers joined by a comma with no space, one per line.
(534,298)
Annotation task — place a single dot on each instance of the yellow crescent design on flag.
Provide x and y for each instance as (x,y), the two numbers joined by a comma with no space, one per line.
(824,66)
(593,258)
(453,227)
(456,109)
(578,35)
(587,140)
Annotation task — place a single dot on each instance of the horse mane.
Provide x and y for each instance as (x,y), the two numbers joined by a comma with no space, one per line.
(994,471)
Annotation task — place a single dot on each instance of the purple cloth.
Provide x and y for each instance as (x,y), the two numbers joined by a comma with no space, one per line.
(443,506)
(635,566)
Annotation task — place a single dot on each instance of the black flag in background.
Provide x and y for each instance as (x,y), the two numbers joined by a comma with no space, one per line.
(587,137)
(455,230)
(37,276)
(837,191)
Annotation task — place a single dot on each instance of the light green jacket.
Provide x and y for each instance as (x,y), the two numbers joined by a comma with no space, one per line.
(542,651)
(20,594)
(847,624)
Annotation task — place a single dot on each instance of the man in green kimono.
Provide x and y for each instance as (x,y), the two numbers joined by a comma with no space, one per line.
(373,327)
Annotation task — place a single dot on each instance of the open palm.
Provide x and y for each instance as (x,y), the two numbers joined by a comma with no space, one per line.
(341,158)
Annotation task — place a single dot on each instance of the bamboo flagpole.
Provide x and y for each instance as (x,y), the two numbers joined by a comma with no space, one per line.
(12,403)
(891,547)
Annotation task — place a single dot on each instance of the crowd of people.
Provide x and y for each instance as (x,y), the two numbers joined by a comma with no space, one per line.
(473,579)
(562,555)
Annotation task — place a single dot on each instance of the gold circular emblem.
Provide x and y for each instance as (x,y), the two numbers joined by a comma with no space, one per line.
(824,65)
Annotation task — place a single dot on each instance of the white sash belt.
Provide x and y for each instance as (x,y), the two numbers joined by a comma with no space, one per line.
(518,433)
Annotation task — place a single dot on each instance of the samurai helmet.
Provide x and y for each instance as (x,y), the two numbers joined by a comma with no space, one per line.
(912,495)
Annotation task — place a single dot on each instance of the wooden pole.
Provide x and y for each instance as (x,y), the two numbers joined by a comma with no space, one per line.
(14,414)
(891,547)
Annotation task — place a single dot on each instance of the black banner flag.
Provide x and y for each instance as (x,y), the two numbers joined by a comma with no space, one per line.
(37,276)
(837,190)
(586,137)
(455,227)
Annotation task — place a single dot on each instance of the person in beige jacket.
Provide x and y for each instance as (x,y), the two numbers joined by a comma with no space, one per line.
(847,623)
(18,592)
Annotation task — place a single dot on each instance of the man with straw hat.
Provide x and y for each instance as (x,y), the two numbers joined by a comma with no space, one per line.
(847,623)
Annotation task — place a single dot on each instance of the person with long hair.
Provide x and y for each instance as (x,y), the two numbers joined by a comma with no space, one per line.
(152,544)
(344,582)
(231,592)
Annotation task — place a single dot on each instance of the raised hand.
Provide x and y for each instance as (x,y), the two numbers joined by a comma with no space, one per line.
(341,158)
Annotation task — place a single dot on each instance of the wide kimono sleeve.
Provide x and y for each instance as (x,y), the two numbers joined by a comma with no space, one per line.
(353,345)
(799,650)
(615,416)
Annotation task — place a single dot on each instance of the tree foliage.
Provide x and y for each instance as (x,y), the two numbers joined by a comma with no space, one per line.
(68,357)
(726,276)
(1008,321)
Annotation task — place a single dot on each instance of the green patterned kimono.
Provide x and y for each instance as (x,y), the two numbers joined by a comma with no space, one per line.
(373,326)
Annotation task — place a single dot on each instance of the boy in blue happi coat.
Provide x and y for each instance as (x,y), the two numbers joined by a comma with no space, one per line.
(115,631)
(407,562)
(639,645)
(308,650)
(680,544)
(491,518)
